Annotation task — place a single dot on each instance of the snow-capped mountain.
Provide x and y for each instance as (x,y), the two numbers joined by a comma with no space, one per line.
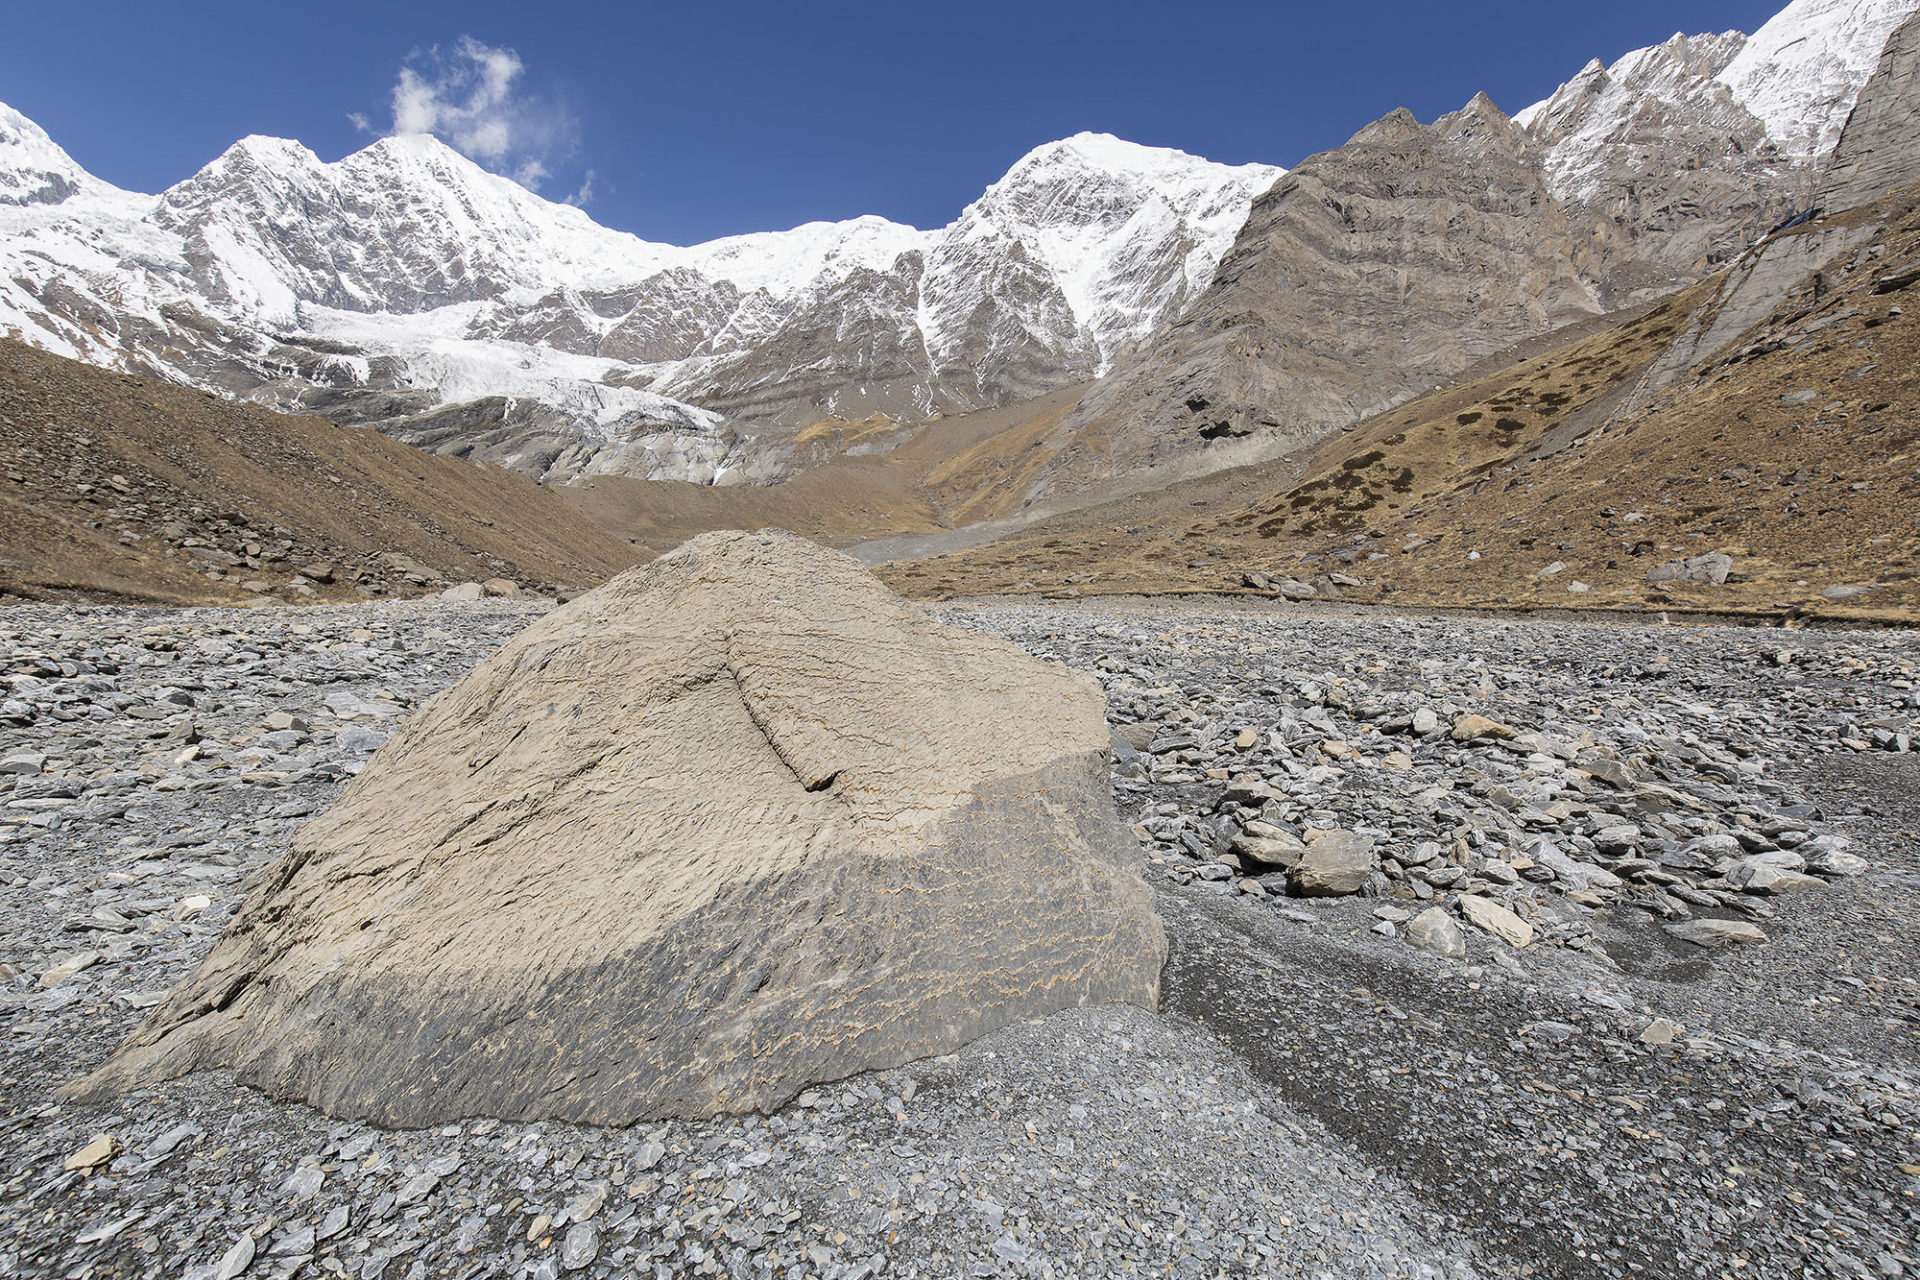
(1680,153)
(408,288)
(1779,96)
(1799,73)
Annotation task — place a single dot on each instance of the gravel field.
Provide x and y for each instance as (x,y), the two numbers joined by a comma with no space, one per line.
(1499,949)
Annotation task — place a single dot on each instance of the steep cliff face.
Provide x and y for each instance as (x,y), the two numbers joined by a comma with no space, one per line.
(1881,146)
(1662,174)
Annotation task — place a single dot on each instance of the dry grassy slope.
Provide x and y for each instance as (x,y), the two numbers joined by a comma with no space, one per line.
(948,471)
(836,503)
(1146,541)
(107,477)
(1796,455)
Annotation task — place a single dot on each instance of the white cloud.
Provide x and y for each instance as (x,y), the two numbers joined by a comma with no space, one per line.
(473,98)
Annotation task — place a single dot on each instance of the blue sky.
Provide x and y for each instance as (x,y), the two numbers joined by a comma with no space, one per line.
(698,119)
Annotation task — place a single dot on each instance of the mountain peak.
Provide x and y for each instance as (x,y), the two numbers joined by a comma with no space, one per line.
(1106,154)
(34,170)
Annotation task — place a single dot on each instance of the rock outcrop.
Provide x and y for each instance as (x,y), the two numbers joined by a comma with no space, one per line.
(1662,174)
(738,822)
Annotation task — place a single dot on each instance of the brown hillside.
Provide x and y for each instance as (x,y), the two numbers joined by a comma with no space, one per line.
(124,488)
(1794,453)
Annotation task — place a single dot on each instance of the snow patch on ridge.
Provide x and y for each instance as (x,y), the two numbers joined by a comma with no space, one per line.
(1801,72)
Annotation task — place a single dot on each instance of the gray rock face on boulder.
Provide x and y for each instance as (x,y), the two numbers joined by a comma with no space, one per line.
(738,822)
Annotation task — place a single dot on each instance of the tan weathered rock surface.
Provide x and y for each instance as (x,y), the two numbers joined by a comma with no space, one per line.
(1335,864)
(738,822)
(1484,913)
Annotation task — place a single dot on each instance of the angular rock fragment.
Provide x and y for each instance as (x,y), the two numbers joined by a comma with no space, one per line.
(1469,728)
(1486,914)
(1334,864)
(1434,930)
(738,822)
(1716,933)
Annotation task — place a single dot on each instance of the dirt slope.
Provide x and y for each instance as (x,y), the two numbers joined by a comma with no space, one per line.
(1793,453)
(120,488)
(943,472)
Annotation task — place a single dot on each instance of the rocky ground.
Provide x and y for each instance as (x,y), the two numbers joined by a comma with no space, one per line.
(1499,949)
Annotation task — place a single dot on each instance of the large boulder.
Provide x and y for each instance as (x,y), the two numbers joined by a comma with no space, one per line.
(738,822)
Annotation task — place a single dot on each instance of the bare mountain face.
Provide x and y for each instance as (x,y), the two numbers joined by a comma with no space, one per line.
(1378,270)
(406,288)
(1344,292)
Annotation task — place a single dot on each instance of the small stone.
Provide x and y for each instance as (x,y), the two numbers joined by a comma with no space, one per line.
(100,1150)
(167,1142)
(1659,1031)
(237,1259)
(333,1224)
(580,1246)
(1279,850)
(1425,721)
(1838,864)
(61,972)
(418,1188)
(651,1152)
(1763,875)
(464,591)
(1334,864)
(1716,933)
(281,722)
(1469,728)
(1250,790)
(304,1182)
(1434,930)
(1619,838)
(1484,913)
(583,1206)
(293,1244)
(1549,1030)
